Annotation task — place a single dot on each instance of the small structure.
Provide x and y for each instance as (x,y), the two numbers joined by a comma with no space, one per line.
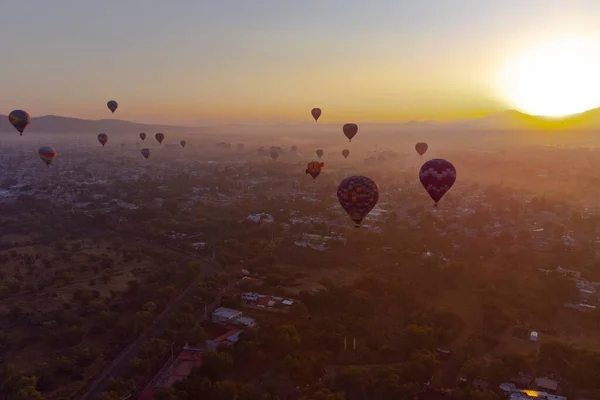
(533,336)
(224,315)
(547,384)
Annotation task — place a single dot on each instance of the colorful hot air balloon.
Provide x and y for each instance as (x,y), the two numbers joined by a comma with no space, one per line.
(47,154)
(19,119)
(350,130)
(345,153)
(437,177)
(102,138)
(316,113)
(421,148)
(146,153)
(314,168)
(183,143)
(112,106)
(160,137)
(358,195)
(143,136)
(320,153)
(274,155)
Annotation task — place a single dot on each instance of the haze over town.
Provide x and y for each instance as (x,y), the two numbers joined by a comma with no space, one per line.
(336,200)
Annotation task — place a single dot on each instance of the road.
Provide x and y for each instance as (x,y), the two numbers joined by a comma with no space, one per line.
(121,362)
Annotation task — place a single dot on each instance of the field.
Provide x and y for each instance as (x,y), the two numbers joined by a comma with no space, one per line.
(62,306)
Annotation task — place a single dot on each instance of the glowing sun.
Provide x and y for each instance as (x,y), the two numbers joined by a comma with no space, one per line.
(555,79)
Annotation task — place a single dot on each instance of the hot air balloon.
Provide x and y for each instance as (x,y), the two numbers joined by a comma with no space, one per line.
(358,195)
(160,137)
(19,119)
(350,130)
(143,136)
(437,177)
(102,138)
(47,154)
(421,148)
(319,153)
(314,168)
(112,106)
(274,155)
(316,113)
(146,153)
(183,143)
(345,153)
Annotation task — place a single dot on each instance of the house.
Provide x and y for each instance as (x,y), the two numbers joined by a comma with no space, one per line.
(224,315)
(546,384)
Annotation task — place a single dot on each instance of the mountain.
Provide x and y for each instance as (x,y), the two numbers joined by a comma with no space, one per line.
(502,121)
(57,124)
(516,120)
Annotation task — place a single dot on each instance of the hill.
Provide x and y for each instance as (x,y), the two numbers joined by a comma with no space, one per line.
(505,120)
(58,124)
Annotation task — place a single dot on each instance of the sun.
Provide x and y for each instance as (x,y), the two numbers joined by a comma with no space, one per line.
(555,79)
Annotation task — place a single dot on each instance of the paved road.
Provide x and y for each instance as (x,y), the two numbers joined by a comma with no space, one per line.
(118,366)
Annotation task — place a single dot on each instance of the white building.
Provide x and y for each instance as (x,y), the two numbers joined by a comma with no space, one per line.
(533,336)
(224,315)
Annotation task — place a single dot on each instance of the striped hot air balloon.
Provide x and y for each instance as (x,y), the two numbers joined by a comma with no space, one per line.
(358,195)
(437,177)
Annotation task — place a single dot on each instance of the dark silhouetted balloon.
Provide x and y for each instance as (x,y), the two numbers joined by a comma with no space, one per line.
(159,137)
(319,153)
(358,195)
(19,119)
(350,130)
(112,106)
(143,136)
(47,154)
(314,168)
(346,153)
(183,143)
(102,138)
(274,155)
(437,177)
(316,113)
(421,148)
(146,153)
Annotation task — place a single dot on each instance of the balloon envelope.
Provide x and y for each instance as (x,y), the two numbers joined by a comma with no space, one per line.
(421,148)
(112,106)
(316,113)
(143,136)
(146,153)
(183,143)
(159,137)
(47,154)
(350,130)
(319,153)
(437,177)
(103,138)
(19,119)
(314,168)
(274,155)
(346,153)
(358,195)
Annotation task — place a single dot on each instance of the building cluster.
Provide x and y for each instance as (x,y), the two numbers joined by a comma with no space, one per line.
(266,302)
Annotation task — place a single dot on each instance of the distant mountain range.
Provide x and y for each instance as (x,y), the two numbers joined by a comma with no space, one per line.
(506,120)
(57,124)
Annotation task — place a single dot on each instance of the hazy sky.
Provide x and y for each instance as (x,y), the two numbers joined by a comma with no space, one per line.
(184,61)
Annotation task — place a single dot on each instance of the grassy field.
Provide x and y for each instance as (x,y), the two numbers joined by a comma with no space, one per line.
(50,282)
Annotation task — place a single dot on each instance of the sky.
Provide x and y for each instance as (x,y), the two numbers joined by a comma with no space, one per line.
(192,61)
